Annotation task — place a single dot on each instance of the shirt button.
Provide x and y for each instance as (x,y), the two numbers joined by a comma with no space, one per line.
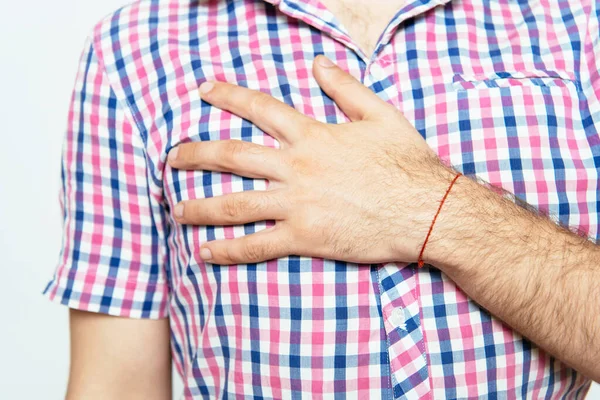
(397,318)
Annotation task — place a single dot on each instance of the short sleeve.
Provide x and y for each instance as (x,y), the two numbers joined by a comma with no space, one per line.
(113,254)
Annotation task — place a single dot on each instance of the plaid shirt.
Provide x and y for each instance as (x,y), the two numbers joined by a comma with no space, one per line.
(506,91)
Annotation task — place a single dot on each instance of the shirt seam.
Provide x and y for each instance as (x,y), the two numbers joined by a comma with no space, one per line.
(387,338)
(424,347)
(125,105)
(140,134)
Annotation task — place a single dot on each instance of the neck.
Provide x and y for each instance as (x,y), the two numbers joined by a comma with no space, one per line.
(364,20)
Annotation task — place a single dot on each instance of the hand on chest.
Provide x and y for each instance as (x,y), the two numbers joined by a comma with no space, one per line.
(492,110)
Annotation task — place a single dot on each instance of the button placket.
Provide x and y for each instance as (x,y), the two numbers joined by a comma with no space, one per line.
(398,319)
(408,366)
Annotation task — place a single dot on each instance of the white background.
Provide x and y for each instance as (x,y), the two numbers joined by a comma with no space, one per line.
(40,45)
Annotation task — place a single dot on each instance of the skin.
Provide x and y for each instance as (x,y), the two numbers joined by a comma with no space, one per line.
(364,20)
(118,358)
(366,191)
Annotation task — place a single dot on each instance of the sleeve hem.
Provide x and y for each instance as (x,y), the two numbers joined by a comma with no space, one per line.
(84,302)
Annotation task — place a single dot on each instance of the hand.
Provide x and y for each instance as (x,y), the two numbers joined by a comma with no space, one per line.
(363,191)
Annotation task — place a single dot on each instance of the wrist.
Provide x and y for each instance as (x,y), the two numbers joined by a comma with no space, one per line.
(420,258)
(470,218)
(423,195)
(480,224)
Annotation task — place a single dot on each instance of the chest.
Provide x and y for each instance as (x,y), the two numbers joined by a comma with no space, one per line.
(365,21)
(510,112)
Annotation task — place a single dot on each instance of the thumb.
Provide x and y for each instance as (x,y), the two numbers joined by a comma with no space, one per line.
(356,100)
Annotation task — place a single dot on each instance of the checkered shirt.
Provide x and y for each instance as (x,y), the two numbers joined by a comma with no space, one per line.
(506,91)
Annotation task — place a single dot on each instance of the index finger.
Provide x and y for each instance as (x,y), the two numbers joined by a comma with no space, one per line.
(271,115)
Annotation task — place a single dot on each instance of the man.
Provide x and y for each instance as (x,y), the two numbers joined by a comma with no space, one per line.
(281,241)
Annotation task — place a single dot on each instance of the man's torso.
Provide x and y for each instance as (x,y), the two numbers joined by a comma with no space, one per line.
(496,88)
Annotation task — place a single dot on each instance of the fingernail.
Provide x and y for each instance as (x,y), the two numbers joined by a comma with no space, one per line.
(324,61)
(205,254)
(173,153)
(206,87)
(178,210)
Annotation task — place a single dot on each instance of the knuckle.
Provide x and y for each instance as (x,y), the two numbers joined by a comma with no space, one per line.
(259,104)
(237,205)
(235,146)
(233,150)
(346,81)
(298,165)
(232,207)
(253,252)
(230,256)
(192,154)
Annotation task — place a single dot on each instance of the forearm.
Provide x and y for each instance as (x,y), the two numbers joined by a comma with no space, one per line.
(537,277)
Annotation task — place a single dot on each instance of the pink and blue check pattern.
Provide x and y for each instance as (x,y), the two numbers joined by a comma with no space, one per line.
(505,91)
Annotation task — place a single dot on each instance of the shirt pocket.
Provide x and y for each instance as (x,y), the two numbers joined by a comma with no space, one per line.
(505,79)
(524,132)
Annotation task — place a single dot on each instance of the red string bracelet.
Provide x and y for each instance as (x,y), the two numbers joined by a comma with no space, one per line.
(420,260)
